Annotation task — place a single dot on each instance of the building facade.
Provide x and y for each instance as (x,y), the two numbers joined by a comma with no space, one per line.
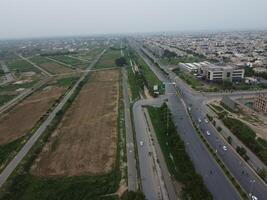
(260,103)
(215,73)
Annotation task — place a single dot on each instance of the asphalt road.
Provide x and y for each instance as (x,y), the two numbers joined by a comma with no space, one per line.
(249,180)
(160,157)
(29,144)
(205,165)
(130,147)
(150,180)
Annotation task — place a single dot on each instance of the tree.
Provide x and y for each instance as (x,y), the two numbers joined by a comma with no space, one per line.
(229,139)
(120,61)
(168,54)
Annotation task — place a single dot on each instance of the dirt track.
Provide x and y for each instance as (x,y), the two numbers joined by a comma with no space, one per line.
(85,141)
(23,117)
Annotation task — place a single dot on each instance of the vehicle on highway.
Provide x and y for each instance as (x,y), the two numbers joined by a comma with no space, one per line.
(253,197)
(225,148)
(208,133)
(199,120)
(206,120)
(141,143)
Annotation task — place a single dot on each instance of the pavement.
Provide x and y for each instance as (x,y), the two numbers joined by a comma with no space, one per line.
(29,144)
(243,173)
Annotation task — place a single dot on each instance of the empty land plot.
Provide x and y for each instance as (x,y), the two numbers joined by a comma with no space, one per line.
(19,121)
(85,141)
(21,66)
(68,60)
(108,59)
(50,66)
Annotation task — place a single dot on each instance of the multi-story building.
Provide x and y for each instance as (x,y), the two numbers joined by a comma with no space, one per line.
(260,103)
(215,73)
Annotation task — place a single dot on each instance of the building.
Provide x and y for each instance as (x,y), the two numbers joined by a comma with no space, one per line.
(260,103)
(218,73)
(215,73)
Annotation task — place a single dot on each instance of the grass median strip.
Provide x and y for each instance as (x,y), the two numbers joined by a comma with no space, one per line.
(179,164)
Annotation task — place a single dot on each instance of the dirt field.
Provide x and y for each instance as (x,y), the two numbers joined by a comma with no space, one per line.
(55,68)
(85,141)
(23,117)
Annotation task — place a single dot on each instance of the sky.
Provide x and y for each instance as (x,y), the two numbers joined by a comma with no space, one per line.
(48,18)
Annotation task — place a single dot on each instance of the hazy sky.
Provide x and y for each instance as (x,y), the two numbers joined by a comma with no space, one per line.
(37,18)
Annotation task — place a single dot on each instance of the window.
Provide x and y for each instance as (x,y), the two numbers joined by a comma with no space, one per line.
(228,74)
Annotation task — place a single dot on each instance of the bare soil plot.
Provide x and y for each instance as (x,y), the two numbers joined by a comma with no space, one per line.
(55,68)
(23,117)
(85,141)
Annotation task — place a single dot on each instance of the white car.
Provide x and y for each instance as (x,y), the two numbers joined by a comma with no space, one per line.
(208,133)
(141,143)
(253,197)
(225,148)
(206,120)
(199,120)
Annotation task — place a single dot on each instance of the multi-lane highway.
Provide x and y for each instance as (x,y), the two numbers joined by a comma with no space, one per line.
(29,144)
(245,175)
(213,176)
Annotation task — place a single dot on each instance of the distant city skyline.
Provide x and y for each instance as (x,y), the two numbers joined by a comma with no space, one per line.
(52,18)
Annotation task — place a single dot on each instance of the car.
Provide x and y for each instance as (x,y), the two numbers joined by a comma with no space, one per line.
(224,148)
(206,120)
(253,197)
(141,143)
(199,120)
(208,133)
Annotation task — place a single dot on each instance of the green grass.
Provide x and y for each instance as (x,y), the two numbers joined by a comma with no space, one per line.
(179,163)
(189,79)
(25,186)
(108,59)
(136,89)
(248,137)
(39,60)
(20,66)
(66,82)
(68,60)
(150,78)
(183,59)
(6,98)
(13,87)
(8,150)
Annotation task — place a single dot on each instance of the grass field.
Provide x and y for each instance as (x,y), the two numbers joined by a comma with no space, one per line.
(149,76)
(90,124)
(5,98)
(13,87)
(26,186)
(108,59)
(21,66)
(51,66)
(68,60)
